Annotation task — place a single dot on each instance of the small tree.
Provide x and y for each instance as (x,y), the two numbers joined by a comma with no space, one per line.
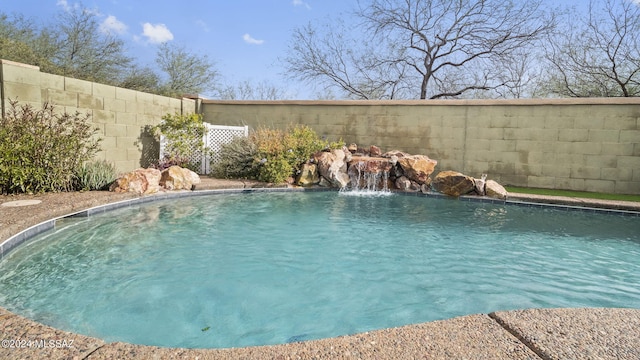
(184,139)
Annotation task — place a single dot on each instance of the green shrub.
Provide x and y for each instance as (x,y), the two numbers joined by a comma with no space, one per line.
(282,153)
(183,135)
(95,175)
(277,169)
(41,149)
(236,159)
(269,155)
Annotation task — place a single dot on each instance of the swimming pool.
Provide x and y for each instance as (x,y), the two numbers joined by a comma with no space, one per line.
(251,269)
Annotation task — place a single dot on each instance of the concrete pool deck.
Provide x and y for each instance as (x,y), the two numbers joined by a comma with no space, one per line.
(589,333)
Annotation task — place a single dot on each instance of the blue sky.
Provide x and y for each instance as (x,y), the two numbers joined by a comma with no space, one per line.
(244,38)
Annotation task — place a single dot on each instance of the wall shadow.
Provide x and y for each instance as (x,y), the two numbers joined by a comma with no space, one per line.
(149,147)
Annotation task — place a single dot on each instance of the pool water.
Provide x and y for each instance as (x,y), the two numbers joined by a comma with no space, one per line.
(237,270)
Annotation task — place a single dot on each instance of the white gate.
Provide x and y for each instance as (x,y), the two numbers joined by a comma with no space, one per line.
(214,137)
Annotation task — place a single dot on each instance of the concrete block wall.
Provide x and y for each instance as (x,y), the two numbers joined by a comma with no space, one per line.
(120,115)
(574,144)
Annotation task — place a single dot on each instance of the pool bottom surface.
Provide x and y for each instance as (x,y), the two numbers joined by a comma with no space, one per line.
(240,270)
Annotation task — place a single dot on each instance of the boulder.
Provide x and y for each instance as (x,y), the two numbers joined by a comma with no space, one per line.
(453,183)
(417,167)
(367,172)
(332,166)
(177,178)
(415,186)
(495,190)
(402,183)
(396,153)
(308,175)
(374,151)
(347,154)
(324,182)
(139,181)
(479,184)
(369,164)
(153,180)
(353,148)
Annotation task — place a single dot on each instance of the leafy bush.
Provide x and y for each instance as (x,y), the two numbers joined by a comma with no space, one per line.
(95,175)
(270,155)
(271,147)
(40,150)
(183,134)
(277,169)
(282,153)
(236,159)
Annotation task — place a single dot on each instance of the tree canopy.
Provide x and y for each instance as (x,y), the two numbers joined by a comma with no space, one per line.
(186,73)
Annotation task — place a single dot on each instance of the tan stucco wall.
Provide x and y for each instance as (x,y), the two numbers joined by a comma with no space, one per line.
(576,144)
(119,114)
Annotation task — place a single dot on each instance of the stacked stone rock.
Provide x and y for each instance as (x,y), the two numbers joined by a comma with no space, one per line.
(343,168)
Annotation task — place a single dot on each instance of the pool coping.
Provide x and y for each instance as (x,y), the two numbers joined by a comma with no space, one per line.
(527,334)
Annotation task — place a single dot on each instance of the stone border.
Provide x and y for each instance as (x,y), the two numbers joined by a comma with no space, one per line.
(518,334)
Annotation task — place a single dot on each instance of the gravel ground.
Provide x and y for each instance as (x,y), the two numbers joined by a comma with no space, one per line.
(521,334)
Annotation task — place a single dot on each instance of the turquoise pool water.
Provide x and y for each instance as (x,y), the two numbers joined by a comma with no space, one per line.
(264,268)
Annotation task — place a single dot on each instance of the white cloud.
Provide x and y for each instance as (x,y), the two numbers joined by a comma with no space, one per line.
(64,4)
(301,3)
(250,40)
(113,25)
(156,33)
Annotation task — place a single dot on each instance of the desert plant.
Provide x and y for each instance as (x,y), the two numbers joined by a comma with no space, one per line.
(282,153)
(95,175)
(236,159)
(41,149)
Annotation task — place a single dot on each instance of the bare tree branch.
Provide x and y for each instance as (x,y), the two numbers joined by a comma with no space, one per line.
(421,39)
(602,56)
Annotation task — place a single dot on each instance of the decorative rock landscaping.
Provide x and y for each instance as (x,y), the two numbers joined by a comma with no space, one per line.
(345,168)
(150,181)
(355,168)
